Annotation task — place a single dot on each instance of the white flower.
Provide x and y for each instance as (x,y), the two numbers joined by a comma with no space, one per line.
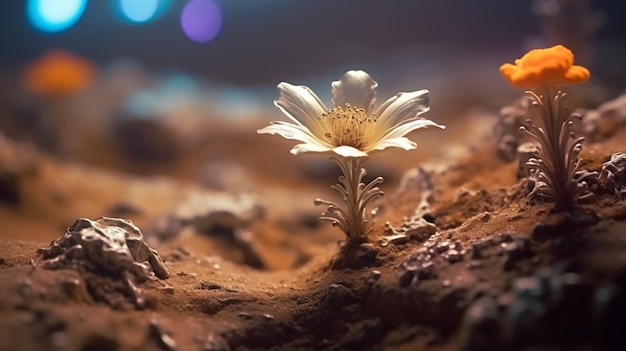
(351,128)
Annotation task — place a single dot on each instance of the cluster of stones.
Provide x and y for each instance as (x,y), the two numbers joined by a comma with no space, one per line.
(549,307)
(514,247)
(421,265)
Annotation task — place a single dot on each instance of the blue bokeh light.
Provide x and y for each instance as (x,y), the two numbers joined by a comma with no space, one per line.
(54,15)
(139,11)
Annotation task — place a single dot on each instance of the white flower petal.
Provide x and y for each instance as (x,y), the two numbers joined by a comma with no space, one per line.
(401,107)
(356,88)
(349,151)
(400,142)
(302,148)
(407,127)
(300,104)
(397,117)
(294,132)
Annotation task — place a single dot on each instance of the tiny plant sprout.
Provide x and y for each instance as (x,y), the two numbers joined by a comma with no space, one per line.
(542,72)
(351,131)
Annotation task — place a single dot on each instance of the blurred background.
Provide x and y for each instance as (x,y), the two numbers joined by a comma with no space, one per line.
(148,75)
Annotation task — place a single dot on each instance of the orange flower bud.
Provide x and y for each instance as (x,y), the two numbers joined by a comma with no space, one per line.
(544,67)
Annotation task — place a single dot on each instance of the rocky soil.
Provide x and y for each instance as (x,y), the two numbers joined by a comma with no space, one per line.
(459,259)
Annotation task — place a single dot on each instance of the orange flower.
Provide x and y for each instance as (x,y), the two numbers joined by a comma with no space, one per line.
(58,73)
(544,67)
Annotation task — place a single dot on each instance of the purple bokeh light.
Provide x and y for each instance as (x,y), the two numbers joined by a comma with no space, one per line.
(201,20)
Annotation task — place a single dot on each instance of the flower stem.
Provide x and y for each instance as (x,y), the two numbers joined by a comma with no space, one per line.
(558,157)
(353,220)
(352,171)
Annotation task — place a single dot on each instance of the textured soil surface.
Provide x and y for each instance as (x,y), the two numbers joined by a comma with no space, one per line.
(459,259)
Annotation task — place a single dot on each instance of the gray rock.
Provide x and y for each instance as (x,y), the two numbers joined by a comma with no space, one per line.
(612,177)
(108,247)
(210,213)
(602,122)
(525,152)
(507,129)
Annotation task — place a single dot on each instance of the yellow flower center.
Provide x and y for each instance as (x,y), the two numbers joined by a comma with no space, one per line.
(349,126)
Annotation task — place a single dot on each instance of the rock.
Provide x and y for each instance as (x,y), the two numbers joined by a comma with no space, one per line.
(602,122)
(220,215)
(109,247)
(548,308)
(442,247)
(612,177)
(106,245)
(516,250)
(525,152)
(212,214)
(418,266)
(418,227)
(515,247)
(453,256)
(507,129)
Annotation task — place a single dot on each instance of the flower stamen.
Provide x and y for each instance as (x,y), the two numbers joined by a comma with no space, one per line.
(349,126)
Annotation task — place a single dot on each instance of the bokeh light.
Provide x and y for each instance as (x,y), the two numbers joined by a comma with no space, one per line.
(201,20)
(58,73)
(139,11)
(54,15)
